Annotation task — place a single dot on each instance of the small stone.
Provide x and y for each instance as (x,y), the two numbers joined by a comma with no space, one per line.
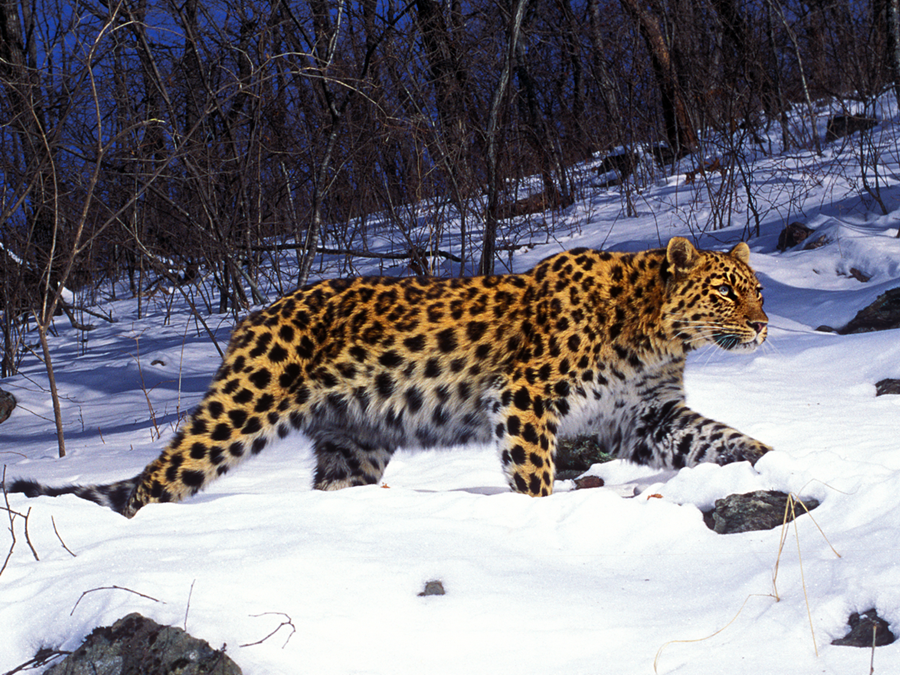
(866,630)
(859,276)
(433,588)
(587,482)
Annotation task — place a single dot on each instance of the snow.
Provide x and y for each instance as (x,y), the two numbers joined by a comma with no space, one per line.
(584,581)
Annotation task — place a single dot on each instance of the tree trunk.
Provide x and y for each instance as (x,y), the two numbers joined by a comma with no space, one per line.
(54,393)
(892,14)
(605,80)
(680,131)
(19,76)
(489,246)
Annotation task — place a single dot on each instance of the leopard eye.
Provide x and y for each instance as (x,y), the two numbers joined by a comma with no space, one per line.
(726,291)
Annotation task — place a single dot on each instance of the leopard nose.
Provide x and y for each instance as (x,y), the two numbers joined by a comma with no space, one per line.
(758,326)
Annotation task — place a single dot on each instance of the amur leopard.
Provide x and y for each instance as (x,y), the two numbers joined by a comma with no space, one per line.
(586,339)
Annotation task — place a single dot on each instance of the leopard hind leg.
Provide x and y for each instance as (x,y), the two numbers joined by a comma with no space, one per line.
(218,436)
(345,460)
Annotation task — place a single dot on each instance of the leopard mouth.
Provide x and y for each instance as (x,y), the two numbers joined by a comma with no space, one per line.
(729,341)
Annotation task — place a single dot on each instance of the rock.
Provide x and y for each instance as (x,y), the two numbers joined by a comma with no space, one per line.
(588,482)
(792,235)
(818,242)
(760,510)
(577,454)
(847,125)
(883,314)
(135,645)
(888,386)
(859,275)
(7,403)
(795,234)
(433,588)
(866,630)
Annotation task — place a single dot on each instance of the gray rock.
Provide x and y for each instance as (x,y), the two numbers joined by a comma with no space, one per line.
(135,645)
(883,314)
(760,510)
(433,588)
(577,454)
(792,235)
(866,630)
(887,386)
(7,403)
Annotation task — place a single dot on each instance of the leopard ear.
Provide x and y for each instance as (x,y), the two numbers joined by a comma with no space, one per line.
(741,252)
(681,254)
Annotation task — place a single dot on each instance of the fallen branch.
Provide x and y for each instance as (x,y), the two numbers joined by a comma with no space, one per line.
(42,658)
(111,588)
(287,622)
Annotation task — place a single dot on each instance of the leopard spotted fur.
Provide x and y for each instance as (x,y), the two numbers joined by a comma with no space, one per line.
(586,339)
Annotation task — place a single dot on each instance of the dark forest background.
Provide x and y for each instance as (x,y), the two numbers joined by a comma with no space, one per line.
(158,139)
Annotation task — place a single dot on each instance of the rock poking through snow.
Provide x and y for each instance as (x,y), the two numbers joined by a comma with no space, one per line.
(136,645)
(866,630)
(760,510)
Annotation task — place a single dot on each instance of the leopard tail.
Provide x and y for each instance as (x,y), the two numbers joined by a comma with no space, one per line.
(114,495)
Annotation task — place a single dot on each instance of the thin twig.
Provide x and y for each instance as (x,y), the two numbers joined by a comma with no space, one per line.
(12,529)
(111,588)
(188,608)
(792,505)
(27,538)
(287,622)
(61,539)
(872,657)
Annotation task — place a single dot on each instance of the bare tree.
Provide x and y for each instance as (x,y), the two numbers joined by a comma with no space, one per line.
(680,129)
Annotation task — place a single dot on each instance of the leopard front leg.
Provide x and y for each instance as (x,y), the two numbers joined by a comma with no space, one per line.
(672,435)
(526,438)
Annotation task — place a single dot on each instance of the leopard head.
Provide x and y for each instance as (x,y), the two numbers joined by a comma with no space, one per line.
(714,298)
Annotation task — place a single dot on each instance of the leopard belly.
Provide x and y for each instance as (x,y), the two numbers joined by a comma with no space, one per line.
(627,411)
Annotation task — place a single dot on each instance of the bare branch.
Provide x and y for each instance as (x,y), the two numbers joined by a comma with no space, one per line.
(111,588)
(287,622)
(61,539)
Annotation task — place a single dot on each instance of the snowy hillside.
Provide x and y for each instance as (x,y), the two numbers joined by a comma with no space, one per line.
(583,581)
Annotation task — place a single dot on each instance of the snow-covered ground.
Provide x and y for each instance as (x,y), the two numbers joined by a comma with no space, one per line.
(583,581)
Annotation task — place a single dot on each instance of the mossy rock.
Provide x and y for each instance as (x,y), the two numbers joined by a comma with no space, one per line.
(576,455)
(760,510)
(136,645)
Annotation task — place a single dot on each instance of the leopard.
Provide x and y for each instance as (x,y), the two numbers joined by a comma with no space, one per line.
(587,339)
